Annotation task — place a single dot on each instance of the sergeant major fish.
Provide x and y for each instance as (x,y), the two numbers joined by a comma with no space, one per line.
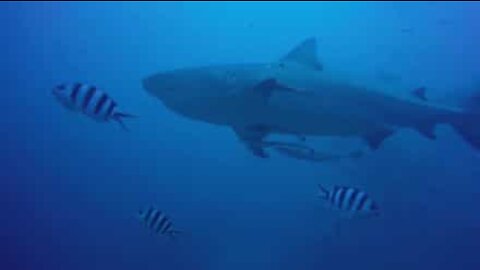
(157,222)
(349,200)
(90,101)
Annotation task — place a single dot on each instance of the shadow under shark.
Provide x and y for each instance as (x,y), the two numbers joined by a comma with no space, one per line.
(295,96)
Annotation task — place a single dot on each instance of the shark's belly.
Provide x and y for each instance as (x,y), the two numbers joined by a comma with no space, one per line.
(307,116)
(288,116)
(314,123)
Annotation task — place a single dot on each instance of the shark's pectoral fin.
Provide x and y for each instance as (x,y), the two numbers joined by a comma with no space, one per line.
(305,54)
(252,136)
(264,90)
(427,129)
(257,150)
(375,139)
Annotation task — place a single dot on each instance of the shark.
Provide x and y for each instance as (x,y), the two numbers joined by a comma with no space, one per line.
(294,95)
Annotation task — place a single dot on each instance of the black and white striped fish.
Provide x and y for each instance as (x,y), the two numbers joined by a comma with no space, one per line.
(349,200)
(157,222)
(91,101)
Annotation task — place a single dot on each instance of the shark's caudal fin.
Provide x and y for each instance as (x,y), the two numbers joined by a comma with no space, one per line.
(305,54)
(468,127)
(467,124)
(118,116)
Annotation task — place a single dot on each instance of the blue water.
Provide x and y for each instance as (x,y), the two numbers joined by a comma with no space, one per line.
(71,186)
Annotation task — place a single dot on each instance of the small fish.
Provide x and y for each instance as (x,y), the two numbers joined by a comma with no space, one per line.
(90,101)
(349,200)
(310,154)
(157,222)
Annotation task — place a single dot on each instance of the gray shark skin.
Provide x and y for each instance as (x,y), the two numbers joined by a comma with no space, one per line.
(294,95)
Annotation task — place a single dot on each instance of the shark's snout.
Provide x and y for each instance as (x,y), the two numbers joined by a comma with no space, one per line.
(159,85)
(149,84)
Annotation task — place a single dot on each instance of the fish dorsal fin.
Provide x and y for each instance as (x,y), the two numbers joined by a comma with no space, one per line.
(306,54)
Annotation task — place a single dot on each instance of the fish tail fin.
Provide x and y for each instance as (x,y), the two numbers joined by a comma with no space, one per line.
(173,234)
(322,192)
(119,116)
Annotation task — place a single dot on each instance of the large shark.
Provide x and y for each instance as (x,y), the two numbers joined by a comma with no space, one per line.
(294,95)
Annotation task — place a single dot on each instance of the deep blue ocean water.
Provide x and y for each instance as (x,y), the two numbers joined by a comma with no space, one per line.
(71,186)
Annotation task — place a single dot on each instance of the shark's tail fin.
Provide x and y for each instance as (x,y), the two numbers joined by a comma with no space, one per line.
(468,124)
(468,127)
(118,116)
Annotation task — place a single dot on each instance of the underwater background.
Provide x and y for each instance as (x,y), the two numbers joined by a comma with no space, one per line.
(70,187)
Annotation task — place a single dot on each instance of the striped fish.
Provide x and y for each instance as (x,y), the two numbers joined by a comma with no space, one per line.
(157,222)
(352,201)
(91,101)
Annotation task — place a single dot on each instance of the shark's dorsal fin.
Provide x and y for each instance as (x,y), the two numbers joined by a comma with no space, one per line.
(306,54)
